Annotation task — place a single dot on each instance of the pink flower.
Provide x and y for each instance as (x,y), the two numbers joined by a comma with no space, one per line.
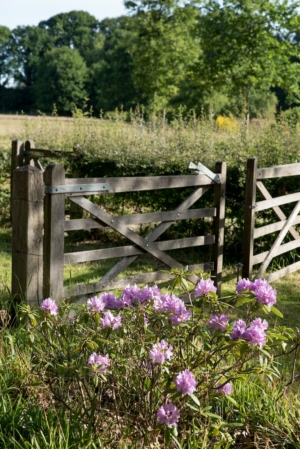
(98,363)
(49,306)
(168,414)
(109,320)
(265,294)
(255,334)
(204,287)
(218,322)
(95,304)
(242,285)
(161,352)
(185,382)
(226,389)
(238,330)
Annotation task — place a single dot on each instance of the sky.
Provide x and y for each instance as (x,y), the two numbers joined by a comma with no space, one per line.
(31,12)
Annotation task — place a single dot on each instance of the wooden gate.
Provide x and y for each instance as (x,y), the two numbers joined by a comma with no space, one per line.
(286,224)
(57,188)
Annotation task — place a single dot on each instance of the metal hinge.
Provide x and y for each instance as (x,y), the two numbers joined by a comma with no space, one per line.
(77,188)
(202,170)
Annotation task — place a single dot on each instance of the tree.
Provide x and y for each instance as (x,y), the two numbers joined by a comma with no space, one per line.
(75,29)
(163,49)
(61,78)
(5,56)
(28,44)
(111,74)
(247,46)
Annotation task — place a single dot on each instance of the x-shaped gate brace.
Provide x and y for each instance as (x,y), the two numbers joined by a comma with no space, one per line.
(144,243)
(285,229)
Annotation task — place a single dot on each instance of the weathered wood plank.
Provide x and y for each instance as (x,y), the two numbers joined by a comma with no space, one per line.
(128,184)
(278,171)
(17,151)
(29,160)
(155,234)
(100,286)
(144,218)
(128,233)
(273,227)
(54,235)
(279,201)
(290,246)
(27,234)
(278,241)
(283,272)
(123,251)
(38,152)
(82,223)
(249,218)
(277,210)
(219,225)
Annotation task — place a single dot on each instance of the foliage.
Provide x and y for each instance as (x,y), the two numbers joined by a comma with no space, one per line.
(163,49)
(247,46)
(111,365)
(75,29)
(61,78)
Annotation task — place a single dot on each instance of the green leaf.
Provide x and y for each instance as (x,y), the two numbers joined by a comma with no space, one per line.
(211,415)
(242,301)
(195,399)
(147,383)
(276,312)
(233,401)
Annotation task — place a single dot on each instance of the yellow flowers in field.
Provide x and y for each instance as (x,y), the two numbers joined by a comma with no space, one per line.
(226,123)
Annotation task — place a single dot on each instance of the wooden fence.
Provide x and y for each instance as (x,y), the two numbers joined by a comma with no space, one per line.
(39,224)
(285,225)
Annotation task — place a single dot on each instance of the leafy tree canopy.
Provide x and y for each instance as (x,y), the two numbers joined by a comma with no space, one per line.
(247,46)
(61,79)
(75,29)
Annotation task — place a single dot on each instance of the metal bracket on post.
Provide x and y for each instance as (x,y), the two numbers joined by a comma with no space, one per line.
(202,170)
(78,188)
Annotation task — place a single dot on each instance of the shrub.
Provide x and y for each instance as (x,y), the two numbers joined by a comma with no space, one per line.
(146,366)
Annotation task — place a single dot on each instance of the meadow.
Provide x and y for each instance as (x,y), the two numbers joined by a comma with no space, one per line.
(49,396)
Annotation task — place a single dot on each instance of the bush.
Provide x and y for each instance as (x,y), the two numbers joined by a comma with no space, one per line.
(146,367)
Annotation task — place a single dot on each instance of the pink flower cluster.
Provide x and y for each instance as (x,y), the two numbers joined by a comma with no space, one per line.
(49,306)
(225,389)
(98,363)
(218,322)
(185,382)
(173,306)
(168,414)
(262,290)
(161,352)
(255,333)
(205,287)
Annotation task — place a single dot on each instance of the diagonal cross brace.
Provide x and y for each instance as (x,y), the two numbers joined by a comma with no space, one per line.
(151,237)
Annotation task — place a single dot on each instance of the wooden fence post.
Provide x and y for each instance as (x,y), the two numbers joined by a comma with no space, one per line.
(27,234)
(219,225)
(29,145)
(17,155)
(249,218)
(54,219)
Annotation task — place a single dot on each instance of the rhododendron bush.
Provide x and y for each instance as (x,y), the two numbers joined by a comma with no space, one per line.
(149,366)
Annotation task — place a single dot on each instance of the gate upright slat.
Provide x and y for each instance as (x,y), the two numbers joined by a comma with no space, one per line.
(54,217)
